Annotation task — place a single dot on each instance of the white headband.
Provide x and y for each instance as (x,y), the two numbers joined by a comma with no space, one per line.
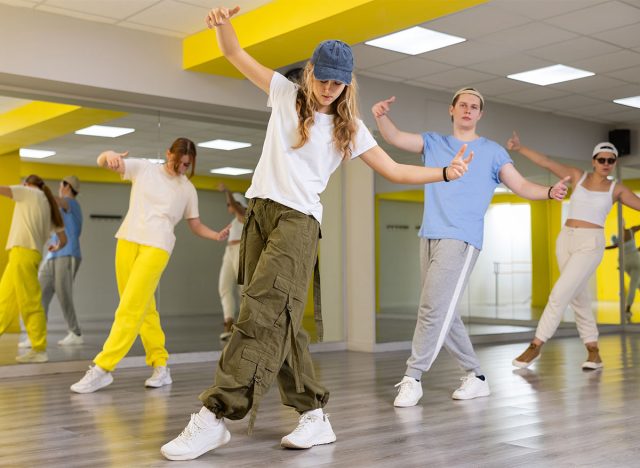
(605,146)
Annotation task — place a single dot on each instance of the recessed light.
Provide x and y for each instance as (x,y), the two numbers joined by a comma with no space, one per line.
(633,101)
(550,75)
(104,131)
(226,145)
(231,171)
(35,154)
(416,40)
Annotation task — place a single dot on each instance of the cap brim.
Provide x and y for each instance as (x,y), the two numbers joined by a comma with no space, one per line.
(326,74)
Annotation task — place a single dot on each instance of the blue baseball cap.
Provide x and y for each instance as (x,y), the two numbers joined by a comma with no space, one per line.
(333,60)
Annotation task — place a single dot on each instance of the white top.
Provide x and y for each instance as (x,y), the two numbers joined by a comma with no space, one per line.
(31,223)
(235,233)
(297,177)
(158,202)
(587,205)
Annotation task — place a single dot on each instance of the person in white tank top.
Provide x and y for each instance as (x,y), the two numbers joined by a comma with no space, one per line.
(631,264)
(228,286)
(580,245)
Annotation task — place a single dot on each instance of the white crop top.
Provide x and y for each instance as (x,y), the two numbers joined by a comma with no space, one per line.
(587,205)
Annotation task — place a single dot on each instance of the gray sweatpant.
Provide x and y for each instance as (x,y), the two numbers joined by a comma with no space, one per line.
(56,275)
(446,265)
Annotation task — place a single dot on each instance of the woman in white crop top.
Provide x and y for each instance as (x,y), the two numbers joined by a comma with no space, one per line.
(228,286)
(161,196)
(580,245)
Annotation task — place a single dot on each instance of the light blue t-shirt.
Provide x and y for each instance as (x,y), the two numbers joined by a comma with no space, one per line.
(72,228)
(456,209)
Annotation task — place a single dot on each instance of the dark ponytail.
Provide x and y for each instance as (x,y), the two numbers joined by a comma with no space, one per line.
(56,217)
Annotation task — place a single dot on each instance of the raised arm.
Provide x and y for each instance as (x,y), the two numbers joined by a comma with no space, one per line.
(559,170)
(62,203)
(624,194)
(257,73)
(235,206)
(404,140)
(112,160)
(510,177)
(205,232)
(378,160)
(5,191)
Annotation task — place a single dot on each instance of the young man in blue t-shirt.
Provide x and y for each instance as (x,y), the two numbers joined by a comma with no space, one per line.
(451,236)
(59,269)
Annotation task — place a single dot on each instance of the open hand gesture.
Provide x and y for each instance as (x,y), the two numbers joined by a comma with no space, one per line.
(513,143)
(381,108)
(219,16)
(458,166)
(115,160)
(559,190)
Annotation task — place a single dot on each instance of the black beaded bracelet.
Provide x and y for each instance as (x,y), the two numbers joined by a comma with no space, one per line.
(549,193)
(444,174)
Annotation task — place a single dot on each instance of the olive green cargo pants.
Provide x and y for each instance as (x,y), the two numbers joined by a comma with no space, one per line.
(277,257)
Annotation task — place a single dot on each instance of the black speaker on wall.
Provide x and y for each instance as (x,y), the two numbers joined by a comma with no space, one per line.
(622,141)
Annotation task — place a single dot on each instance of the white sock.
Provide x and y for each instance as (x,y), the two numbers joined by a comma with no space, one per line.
(316,412)
(100,369)
(208,416)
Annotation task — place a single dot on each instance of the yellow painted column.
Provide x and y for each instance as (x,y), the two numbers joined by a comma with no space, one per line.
(546,222)
(9,175)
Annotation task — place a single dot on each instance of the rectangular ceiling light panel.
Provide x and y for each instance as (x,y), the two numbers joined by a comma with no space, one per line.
(551,75)
(415,41)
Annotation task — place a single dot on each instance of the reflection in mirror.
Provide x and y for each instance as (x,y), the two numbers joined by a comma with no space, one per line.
(188,296)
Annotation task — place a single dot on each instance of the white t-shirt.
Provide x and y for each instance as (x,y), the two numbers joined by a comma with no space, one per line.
(31,223)
(158,202)
(235,233)
(297,177)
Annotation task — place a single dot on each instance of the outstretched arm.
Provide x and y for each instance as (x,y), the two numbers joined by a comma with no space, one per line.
(5,191)
(378,160)
(257,73)
(510,177)
(628,198)
(559,170)
(205,232)
(112,160)
(411,142)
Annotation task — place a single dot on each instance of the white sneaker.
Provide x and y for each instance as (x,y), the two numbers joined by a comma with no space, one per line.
(161,376)
(201,435)
(313,428)
(71,339)
(409,393)
(93,380)
(33,356)
(26,343)
(472,387)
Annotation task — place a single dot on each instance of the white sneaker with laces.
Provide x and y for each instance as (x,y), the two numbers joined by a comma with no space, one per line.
(409,393)
(26,343)
(202,434)
(472,387)
(95,379)
(33,356)
(71,339)
(161,376)
(313,428)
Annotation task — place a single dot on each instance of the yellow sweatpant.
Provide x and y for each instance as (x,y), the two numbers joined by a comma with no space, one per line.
(138,272)
(20,292)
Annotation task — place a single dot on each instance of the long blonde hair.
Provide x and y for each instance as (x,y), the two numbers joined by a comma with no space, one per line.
(345,113)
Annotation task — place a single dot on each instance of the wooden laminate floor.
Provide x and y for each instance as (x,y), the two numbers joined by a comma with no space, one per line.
(554,415)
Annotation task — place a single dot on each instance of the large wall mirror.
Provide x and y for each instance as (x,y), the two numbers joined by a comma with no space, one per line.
(187,297)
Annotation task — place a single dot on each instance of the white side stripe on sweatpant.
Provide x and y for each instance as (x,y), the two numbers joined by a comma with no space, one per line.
(452,305)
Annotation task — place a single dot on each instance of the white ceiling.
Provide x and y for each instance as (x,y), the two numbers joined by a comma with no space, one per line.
(503,37)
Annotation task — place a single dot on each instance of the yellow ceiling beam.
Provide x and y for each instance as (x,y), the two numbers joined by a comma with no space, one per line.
(286,31)
(42,121)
